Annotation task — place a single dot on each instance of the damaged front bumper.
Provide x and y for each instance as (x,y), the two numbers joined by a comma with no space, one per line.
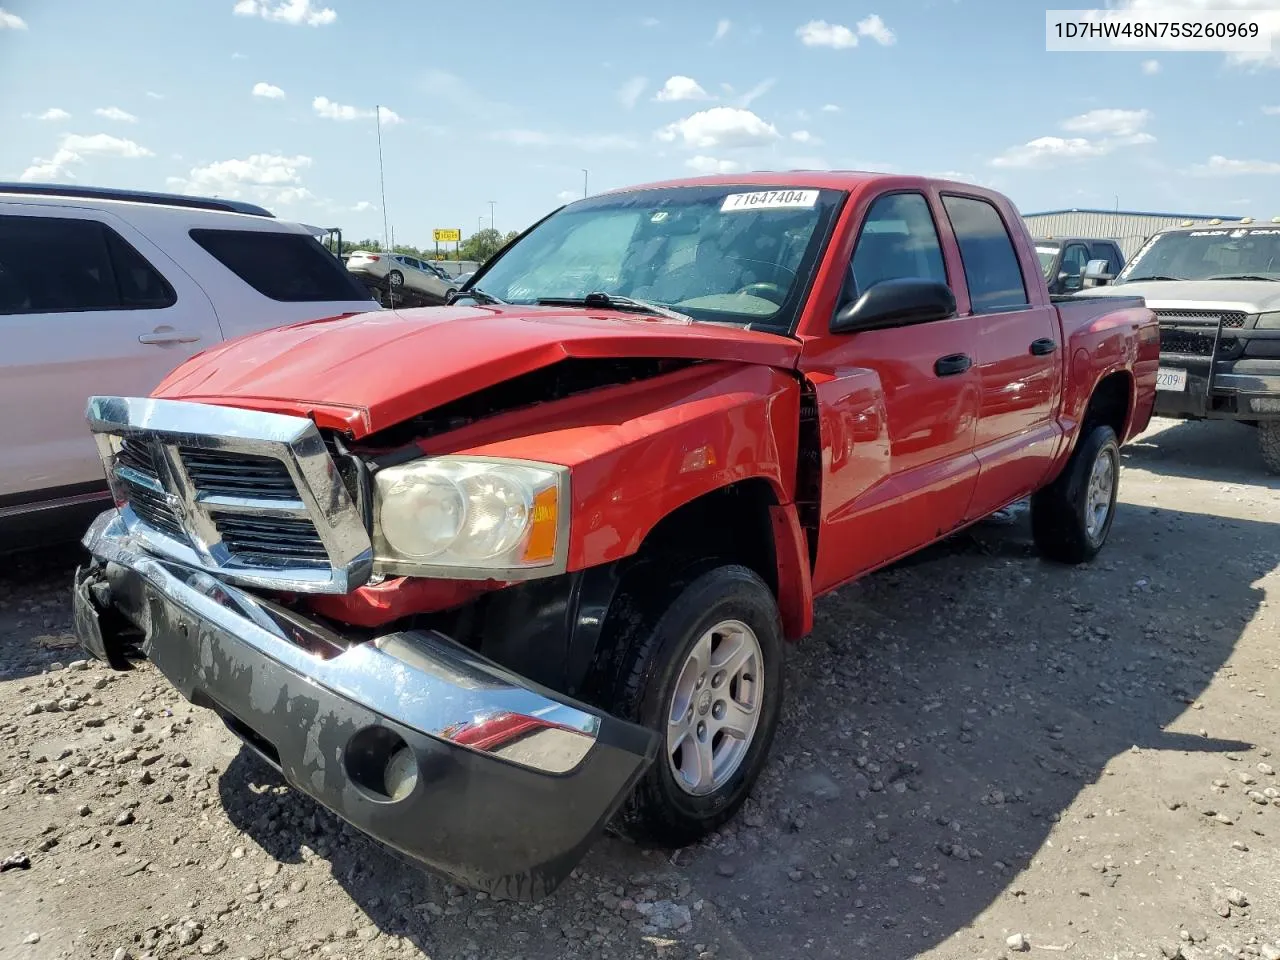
(415,740)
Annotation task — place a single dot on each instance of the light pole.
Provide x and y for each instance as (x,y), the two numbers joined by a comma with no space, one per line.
(584,183)
(382,180)
(479,223)
(491,224)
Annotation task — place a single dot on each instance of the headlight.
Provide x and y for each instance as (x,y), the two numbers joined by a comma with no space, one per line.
(1268,321)
(471,518)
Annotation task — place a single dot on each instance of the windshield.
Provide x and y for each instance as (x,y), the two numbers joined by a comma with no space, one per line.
(1047,256)
(1204,254)
(737,254)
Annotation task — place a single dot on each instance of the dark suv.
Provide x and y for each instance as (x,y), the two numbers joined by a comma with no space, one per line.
(1063,260)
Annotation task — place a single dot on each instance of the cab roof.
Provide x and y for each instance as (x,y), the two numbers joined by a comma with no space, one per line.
(849,180)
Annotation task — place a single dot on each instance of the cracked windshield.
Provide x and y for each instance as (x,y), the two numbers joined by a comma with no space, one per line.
(657,481)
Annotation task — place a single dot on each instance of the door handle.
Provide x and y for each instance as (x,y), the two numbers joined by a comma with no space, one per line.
(168,336)
(1043,347)
(950,365)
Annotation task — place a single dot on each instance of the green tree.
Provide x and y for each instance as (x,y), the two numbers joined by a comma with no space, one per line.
(483,245)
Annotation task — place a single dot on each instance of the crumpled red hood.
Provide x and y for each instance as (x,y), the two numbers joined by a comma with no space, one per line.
(373,370)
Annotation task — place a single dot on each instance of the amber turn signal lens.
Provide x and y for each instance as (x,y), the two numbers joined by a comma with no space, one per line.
(544,520)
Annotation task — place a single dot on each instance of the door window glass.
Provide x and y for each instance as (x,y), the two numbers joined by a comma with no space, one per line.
(991,266)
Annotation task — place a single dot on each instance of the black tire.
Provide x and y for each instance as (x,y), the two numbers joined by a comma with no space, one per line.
(1058,512)
(395,278)
(653,640)
(1269,444)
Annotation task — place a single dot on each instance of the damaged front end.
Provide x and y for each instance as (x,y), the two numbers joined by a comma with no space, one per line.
(423,744)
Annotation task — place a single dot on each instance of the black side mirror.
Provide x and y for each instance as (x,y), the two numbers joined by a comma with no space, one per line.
(896,303)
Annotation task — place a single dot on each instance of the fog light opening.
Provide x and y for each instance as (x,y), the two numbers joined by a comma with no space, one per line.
(381,764)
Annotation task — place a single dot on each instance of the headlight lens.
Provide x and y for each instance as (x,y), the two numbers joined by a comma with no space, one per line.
(460,517)
(1268,321)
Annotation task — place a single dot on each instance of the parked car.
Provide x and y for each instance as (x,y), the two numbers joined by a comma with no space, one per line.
(482,579)
(1217,293)
(108,290)
(402,273)
(1063,261)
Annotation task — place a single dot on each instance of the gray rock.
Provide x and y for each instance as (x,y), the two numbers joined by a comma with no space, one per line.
(124,818)
(1240,845)
(665,915)
(188,932)
(1269,951)
(1236,897)
(122,953)
(31,938)
(1018,943)
(1266,770)
(78,665)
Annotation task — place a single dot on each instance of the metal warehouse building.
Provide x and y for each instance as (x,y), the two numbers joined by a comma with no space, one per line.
(1129,227)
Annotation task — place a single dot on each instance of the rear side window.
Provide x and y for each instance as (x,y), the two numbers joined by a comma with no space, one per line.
(990,264)
(289,267)
(61,265)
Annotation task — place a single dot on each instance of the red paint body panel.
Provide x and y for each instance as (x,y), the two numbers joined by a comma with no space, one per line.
(383,368)
(906,456)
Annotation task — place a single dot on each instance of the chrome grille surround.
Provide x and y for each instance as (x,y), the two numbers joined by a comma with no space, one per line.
(223,525)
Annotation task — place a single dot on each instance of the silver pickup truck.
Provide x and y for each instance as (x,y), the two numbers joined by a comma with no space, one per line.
(1216,290)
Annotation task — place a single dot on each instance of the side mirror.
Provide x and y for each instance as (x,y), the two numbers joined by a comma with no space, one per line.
(1070,281)
(896,303)
(1095,274)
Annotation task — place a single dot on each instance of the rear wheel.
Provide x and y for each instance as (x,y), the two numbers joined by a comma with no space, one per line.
(703,667)
(395,278)
(1269,444)
(1070,518)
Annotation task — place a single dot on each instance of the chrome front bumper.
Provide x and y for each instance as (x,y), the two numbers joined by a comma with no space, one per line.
(415,740)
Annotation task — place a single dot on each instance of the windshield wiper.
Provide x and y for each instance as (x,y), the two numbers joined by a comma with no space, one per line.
(615,302)
(1243,276)
(476,294)
(1151,277)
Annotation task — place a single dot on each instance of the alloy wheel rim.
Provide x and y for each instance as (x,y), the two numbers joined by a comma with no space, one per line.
(1098,501)
(715,708)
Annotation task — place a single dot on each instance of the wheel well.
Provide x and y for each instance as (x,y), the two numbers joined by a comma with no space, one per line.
(1109,404)
(730,525)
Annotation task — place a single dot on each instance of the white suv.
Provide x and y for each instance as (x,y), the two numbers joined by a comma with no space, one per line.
(106,291)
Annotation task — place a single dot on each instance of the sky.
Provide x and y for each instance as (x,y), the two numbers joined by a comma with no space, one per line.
(276,101)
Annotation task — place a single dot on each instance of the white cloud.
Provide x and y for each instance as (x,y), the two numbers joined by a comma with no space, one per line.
(1219,166)
(1266,12)
(73,148)
(830,108)
(11,21)
(720,127)
(265,177)
(388,117)
(362,206)
(565,196)
(631,91)
(1269,111)
(293,12)
(875,28)
(819,33)
(808,162)
(1112,129)
(239,56)
(115,113)
(54,113)
(681,88)
(1109,122)
(650,22)
(707,165)
(756,92)
(331,110)
(268,90)
(1043,150)
(592,142)
(804,136)
(152,95)
(1150,67)
(722,28)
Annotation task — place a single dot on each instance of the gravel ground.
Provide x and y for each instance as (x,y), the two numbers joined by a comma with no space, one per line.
(981,755)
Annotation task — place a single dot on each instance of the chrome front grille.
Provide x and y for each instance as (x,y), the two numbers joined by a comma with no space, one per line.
(218,473)
(1230,318)
(253,497)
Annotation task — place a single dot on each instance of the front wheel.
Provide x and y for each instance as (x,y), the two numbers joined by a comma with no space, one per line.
(1070,518)
(395,278)
(705,671)
(1269,444)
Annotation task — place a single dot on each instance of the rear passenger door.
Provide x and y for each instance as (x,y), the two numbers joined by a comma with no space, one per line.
(1019,357)
(87,306)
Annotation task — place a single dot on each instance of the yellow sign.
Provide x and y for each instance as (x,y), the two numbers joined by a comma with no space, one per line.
(447,236)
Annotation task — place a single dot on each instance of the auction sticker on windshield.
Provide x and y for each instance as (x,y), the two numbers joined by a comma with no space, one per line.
(769,200)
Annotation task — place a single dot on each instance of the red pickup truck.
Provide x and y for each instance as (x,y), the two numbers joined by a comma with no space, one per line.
(484,578)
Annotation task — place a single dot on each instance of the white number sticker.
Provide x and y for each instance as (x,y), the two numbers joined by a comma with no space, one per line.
(769,200)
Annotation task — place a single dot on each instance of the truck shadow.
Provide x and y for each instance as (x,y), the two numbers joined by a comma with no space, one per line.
(35,623)
(939,720)
(1217,451)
